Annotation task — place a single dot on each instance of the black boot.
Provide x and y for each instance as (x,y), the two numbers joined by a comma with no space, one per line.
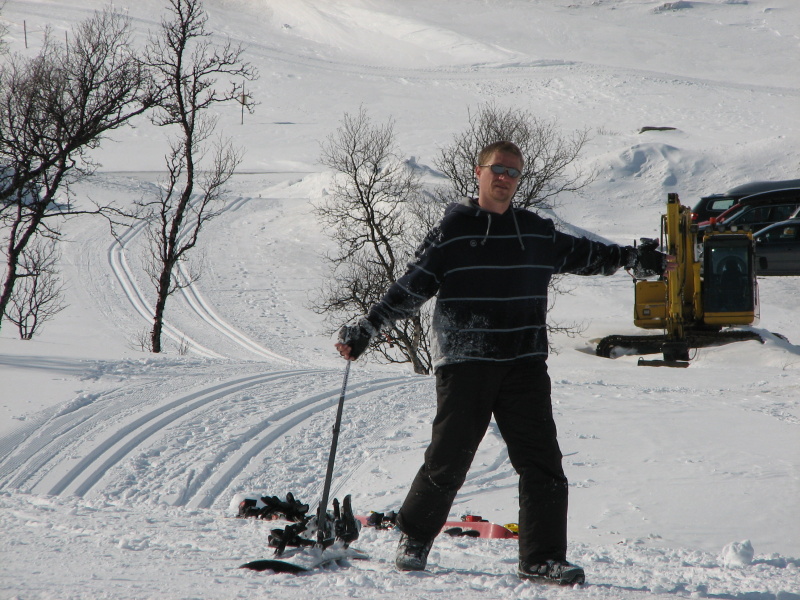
(552,571)
(412,555)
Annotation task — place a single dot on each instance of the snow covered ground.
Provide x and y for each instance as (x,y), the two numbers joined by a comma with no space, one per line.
(118,467)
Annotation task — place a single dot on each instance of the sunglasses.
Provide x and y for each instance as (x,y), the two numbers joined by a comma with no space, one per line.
(500,169)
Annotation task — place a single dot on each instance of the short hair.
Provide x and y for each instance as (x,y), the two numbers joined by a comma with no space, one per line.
(501,146)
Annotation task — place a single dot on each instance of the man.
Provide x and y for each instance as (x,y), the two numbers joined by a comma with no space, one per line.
(489,265)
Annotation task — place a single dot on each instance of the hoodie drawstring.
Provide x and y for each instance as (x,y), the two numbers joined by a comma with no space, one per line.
(488,227)
(516,226)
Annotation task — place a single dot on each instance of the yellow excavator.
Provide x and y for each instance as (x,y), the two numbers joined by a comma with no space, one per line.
(712,291)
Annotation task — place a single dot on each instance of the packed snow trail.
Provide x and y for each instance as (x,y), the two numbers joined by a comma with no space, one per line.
(119,265)
(189,291)
(107,432)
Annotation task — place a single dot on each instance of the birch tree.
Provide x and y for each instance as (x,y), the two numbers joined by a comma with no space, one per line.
(55,108)
(187,66)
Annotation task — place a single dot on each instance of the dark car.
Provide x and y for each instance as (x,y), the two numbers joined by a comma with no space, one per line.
(715,204)
(778,248)
(757,211)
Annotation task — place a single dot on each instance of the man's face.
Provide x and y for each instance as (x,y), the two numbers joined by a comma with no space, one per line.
(495,191)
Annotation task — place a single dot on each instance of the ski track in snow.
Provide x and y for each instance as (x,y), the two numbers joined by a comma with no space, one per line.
(72,454)
(119,265)
(191,294)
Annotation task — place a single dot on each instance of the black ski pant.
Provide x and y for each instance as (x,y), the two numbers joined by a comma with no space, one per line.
(518,395)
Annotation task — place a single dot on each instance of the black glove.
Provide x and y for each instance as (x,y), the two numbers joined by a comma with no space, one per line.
(648,261)
(357,336)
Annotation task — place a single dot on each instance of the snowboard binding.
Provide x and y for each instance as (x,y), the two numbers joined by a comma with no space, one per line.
(271,507)
(341,526)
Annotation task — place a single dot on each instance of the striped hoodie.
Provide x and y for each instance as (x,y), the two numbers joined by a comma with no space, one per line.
(490,273)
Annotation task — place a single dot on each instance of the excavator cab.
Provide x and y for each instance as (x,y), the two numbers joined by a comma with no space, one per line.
(730,295)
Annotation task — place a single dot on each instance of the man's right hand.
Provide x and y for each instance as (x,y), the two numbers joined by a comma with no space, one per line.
(354,339)
(344,350)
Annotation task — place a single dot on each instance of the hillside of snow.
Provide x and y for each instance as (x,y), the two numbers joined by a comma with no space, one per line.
(118,467)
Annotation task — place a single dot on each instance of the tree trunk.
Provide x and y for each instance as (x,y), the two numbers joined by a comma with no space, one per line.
(164,283)
(8,287)
(14,251)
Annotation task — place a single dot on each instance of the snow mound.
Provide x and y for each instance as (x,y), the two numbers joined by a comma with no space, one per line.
(737,554)
(670,6)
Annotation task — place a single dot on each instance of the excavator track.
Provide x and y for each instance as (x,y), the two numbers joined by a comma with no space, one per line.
(654,344)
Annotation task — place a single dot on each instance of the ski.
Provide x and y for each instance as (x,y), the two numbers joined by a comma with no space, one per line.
(302,560)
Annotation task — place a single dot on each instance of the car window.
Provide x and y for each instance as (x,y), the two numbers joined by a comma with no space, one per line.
(721,204)
(786,233)
(782,212)
(753,215)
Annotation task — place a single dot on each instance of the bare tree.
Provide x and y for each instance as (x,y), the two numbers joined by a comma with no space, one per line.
(367,217)
(187,66)
(54,109)
(550,157)
(37,297)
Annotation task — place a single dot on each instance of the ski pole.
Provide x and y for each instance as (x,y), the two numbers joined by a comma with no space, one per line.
(322,521)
